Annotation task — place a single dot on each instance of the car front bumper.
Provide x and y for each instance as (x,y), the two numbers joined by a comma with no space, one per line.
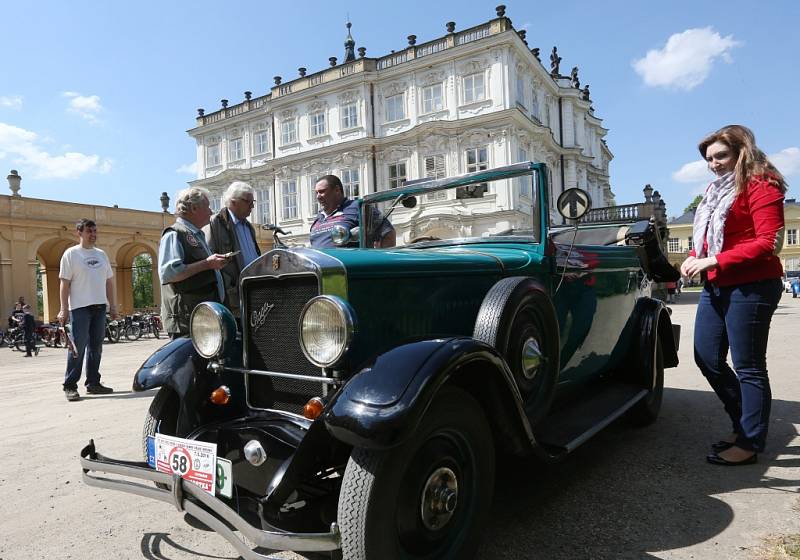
(189,498)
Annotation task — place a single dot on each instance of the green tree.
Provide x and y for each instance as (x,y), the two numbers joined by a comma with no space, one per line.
(142,281)
(693,204)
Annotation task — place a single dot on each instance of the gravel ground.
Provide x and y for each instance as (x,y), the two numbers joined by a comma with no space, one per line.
(627,493)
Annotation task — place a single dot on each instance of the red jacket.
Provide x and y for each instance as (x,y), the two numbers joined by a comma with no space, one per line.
(753,237)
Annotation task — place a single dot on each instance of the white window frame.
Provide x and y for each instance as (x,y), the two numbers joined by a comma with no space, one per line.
(524,183)
(236,149)
(394,103)
(479,165)
(260,142)
(317,124)
(791,236)
(214,203)
(398,179)
(673,245)
(432,103)
(264,206)
(213,158)
(521,91)
(435,167)
(351,181)
(471,93)
(288,132)
(349,114)
(290,201)
(690,244)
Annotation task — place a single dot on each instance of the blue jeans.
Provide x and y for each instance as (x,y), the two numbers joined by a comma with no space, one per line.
(738,318)
(88,329)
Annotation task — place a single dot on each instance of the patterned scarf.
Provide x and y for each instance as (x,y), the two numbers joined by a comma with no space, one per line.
(709,218)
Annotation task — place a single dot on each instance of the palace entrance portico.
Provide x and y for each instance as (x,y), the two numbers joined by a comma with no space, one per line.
(40,230)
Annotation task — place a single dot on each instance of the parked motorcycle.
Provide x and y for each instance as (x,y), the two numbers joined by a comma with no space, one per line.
(112,330)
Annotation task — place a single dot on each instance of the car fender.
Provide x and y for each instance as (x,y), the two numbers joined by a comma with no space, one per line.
(654,320)
(382,404)
(177,365)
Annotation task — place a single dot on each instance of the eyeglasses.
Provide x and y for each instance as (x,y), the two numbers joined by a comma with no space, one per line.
(249,201)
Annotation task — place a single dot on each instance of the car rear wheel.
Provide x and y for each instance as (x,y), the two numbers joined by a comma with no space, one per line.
(427,498)
(645,412)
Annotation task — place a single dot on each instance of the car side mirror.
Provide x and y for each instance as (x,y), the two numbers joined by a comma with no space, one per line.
(409,202)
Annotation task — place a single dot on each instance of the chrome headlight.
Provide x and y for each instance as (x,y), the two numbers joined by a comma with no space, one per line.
(326,330)
(212,328)
(340,235)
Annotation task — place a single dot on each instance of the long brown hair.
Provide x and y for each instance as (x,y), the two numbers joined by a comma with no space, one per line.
(750,160)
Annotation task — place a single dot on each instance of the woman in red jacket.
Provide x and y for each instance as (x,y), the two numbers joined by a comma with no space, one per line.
(738,233)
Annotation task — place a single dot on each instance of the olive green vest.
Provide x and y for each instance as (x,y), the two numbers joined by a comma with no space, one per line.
(178,299)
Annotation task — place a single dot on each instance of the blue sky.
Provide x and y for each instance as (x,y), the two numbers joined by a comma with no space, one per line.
(95,98)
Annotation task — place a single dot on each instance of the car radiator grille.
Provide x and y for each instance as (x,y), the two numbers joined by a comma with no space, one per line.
(275,345)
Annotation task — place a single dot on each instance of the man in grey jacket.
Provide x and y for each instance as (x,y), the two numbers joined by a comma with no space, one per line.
(231,232)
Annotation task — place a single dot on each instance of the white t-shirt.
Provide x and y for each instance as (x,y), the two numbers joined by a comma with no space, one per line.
(87,270)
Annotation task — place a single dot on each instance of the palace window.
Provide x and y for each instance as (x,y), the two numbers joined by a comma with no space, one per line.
(477,159)
(212,155)
(396,107)
(690,244)
(791,237)
(351,181)
(521,91)
(288,132)
(432,99)
(236,149)
(349,116)
(317,124)
(474,88)
(263,207)
(289,199)
(674,245)
(435,169)
(260,142)
(397,174)
(523,183)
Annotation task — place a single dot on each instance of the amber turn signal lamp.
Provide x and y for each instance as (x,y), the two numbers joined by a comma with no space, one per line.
(313,408)
(220,395)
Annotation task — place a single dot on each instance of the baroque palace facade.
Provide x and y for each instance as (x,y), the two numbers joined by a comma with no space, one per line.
(470,100)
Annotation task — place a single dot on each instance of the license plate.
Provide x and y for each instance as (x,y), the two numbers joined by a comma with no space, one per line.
(222,478)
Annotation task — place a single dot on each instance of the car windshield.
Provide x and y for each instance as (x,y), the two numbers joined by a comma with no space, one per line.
(489,204)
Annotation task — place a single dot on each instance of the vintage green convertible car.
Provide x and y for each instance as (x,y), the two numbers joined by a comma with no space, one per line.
(358,410)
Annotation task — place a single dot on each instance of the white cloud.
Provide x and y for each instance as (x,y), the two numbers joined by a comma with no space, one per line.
(787,161)
(87,107)
(693,172)
(188,169)
(11,102)
(24,149)
(686,59)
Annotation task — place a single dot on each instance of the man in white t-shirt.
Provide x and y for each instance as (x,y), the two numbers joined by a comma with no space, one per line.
(86,290)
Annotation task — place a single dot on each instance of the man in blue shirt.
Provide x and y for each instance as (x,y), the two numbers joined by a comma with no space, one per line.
(340,210)
(231,232)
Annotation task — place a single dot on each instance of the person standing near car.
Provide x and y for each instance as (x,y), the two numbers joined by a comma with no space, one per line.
(738,233)
(337,209)
(231,232)
(189,271)
(86,289)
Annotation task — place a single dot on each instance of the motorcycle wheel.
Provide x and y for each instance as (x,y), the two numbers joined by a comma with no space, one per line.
(133,332)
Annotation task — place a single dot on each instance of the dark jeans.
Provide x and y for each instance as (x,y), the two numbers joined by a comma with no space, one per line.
(88,329)
(738,318)
(30,343)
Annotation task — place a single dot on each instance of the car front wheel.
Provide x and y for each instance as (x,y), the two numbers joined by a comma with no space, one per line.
(427,498)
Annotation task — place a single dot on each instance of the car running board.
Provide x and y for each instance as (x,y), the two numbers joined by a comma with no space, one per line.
(569,427)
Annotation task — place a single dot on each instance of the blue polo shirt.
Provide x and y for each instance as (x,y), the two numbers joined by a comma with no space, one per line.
(346,215)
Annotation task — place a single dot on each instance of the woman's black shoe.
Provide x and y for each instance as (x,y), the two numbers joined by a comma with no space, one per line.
(715,459)
(722,445)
